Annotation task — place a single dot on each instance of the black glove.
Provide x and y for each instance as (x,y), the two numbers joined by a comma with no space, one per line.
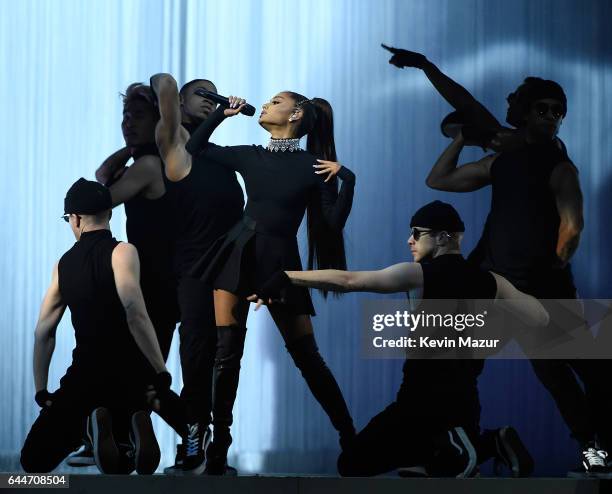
(162,382)
(42,397)
(275,287)
(454,122)
(405,58)
(477,135)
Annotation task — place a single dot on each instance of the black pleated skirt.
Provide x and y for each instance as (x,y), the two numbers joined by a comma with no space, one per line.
(243,259)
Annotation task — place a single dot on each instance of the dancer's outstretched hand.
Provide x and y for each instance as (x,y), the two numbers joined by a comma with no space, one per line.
(236,104)
(259,301)
(405,58)
(330,167)
(272,290)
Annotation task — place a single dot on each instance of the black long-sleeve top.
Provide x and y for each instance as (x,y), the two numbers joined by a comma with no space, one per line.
(279,185)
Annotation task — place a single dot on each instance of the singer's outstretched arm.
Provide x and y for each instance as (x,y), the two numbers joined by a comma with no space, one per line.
(170,135)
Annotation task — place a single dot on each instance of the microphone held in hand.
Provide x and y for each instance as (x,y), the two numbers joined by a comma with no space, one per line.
(248,110)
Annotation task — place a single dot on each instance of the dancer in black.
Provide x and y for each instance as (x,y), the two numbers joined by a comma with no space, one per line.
(535,189)
(437,409)
(282,181)
(208,202)
(149,208)
(143,188)
(98,280)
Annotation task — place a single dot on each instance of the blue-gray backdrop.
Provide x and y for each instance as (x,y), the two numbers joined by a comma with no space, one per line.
(63,64)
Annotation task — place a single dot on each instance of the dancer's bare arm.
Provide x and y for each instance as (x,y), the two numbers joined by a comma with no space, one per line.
(397,278)
(525,307)
(446,175)
(51,312)
(113,166)
(140,177)
(170,135)
(566,186)
(126,270)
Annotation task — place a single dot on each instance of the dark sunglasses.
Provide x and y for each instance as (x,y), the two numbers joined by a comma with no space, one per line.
(66,217)
(543,108)
(416,234)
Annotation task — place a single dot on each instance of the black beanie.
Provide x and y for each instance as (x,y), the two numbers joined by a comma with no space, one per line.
(87,197)
(438,216)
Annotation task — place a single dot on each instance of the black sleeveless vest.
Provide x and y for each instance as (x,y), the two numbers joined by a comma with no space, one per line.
(520,235)
(104,344)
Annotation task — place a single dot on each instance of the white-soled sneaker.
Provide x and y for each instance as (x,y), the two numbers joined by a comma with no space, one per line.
(454,455)
(196,442)
(84,457)
(594,464)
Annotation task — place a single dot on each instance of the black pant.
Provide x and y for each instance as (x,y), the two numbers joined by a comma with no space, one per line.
(58,430)
(394,438)
(587,412)
(162,307)
(198,334)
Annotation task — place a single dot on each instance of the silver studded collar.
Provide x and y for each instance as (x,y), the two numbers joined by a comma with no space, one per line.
(290,145)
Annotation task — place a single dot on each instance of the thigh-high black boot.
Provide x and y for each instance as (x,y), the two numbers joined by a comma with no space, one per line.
(323,385)
(230,345)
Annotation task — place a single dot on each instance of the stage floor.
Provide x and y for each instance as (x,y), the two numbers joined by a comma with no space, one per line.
(154,484)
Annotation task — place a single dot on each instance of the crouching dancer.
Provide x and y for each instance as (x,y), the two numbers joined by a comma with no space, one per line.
(116,351)
(434,421)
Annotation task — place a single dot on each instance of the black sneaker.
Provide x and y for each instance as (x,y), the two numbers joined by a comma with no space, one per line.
(179,459)
(512,452)
(127,463)
(84,457)
(146,449)
(216,459)
(454,455)
(105,450)
(195,444)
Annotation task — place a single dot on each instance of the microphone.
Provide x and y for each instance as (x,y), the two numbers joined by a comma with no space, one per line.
(248,110)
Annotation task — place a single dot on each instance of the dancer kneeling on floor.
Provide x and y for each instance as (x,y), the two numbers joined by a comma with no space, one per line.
(116,351)
(434,421)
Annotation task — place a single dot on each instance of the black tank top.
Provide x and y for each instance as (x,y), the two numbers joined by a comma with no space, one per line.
(520,235)
(104,343)
(150,228)
(209,201)
(445,391)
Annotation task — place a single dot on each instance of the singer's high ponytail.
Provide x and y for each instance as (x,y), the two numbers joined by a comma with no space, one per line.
(325,245)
